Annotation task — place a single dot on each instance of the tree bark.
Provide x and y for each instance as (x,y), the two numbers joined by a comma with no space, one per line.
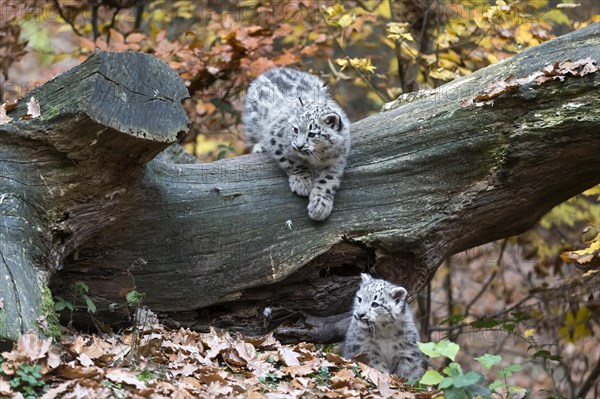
(212,243)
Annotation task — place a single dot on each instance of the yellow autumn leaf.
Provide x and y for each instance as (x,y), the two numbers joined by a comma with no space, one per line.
(529,332)
(384,10)
(333,10)
(585,255)
(446,64)
(346,20)
(443,74)
(523,34)
(343,62)
(363,64)
(576,325)
(398,31)
(451,55)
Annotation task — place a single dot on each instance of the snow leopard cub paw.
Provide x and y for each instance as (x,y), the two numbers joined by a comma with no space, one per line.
(300,185)
(319,207)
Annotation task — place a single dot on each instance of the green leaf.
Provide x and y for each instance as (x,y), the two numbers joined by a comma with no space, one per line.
(478,390)
(91,307)
(546,355)
(442,348)
(134,298)
(496,385)
(446,383)
(471,378)
(513,367)
(431,377)
(61,304)
(490,323)
(453,370)
(80,287)
(488,360)
(508,370)
(452,320)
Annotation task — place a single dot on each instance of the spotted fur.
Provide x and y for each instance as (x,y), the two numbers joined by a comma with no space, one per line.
(383,328)
(290,115)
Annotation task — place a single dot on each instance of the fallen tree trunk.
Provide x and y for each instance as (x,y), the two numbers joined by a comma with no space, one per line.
(213,243)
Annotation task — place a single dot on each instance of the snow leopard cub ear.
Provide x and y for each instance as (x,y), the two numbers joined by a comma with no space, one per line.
(399,294)
(365,278)
(333,121)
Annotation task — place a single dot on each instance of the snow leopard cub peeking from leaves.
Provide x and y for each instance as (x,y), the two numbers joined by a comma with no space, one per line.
(383,328)
(290,115)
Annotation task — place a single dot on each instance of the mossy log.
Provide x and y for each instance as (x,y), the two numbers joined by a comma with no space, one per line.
(86,198)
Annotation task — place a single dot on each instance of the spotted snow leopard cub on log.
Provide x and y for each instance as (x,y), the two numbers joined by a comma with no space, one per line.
(290,115)
(382,327)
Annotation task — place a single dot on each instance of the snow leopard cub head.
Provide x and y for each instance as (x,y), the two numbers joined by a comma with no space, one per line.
(378,302)
(320,132)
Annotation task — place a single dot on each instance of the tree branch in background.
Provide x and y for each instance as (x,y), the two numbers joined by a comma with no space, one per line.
(61,13)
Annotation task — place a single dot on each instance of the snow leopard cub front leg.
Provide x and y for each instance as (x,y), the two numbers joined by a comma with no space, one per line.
(290,115)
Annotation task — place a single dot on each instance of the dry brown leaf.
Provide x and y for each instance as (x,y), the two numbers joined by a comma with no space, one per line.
(32,347)
(232,358)
(332,357)
(265,342)
(212,377)
(125,377)
(57,391)
(3,117)
(288,356)
(379,379)
(135,37)
(215,389)
(70,371)
(260,65)
(116,37)
(76,347)
(300,370)
(259,366)
(5,388)
(287,58)
(85,360)
(342,378)
(33,108)
(86,43)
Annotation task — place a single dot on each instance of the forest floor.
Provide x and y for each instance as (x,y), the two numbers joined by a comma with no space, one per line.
(155,362)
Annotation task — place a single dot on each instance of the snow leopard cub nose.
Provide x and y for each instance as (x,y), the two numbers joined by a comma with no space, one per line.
(300,146)
(360,315)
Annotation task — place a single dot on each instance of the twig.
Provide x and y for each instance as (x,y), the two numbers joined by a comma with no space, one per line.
(589,381)
(113,20)
(488,282)
(62,15)
(450,302)
(139,12)
(95,6)
(421,42)
(398,48)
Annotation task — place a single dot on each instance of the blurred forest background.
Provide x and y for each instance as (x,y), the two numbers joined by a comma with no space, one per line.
(534,299)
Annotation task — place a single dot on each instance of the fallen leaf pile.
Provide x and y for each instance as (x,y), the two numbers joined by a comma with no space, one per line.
(162,363)
(557,71)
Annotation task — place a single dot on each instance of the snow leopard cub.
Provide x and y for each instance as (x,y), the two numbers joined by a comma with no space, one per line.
(383,328)
(290,115)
